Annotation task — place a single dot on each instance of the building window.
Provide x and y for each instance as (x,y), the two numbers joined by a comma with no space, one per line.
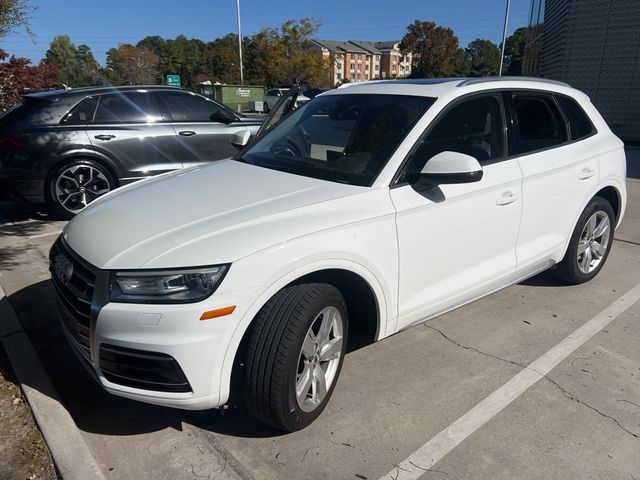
(339,76)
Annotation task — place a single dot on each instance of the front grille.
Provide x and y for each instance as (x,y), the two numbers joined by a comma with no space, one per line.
(142,369)
(74,283)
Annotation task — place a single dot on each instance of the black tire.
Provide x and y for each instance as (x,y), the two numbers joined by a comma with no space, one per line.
(68,206)
(568,269)
(274,354)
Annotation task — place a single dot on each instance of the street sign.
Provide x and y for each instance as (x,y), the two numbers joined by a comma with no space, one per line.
(173,80)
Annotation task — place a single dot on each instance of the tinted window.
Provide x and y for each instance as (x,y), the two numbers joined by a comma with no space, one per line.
(341,138)
(82,113)
(540,124)
(473,127)
(579,122)
(21,110)
(129,107)
(188,107)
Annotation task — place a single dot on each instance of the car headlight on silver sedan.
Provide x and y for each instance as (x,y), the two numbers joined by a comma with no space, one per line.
(166,286)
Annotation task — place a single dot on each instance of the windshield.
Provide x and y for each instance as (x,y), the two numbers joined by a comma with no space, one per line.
(345,138)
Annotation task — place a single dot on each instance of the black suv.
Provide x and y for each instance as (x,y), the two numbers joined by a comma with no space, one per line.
(69,147)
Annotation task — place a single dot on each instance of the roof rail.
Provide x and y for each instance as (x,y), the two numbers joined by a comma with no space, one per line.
(474,81)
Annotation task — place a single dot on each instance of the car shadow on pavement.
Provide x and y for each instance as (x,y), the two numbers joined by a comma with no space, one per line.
(19,211)
(545,279)
(92,408)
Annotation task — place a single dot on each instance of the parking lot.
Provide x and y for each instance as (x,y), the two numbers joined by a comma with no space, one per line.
(581,420)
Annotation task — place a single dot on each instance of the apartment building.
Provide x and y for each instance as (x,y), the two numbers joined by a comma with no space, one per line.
(358,61)
(394,63)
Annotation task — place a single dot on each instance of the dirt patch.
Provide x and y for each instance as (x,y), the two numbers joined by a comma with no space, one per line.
(23,452)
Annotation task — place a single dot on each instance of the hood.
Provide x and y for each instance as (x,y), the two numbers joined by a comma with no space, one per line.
(207,215)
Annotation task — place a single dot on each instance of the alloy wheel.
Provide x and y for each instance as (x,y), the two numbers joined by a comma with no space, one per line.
(594,241)
(79,185)
(319,358)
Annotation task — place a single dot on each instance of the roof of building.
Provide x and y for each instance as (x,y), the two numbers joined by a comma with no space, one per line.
(368,46)
(387,45)
(339,46)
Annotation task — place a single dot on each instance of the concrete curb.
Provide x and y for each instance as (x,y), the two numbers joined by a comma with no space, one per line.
(68,449)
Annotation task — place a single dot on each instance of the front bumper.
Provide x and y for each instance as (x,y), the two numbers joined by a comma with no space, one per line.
(160,354)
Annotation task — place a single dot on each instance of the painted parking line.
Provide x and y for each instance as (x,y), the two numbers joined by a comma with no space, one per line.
(435,449)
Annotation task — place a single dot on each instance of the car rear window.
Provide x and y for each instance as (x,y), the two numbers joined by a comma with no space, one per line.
(21,110)
(579,122)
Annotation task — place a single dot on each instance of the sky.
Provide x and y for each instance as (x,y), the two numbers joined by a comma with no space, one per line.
(107,23)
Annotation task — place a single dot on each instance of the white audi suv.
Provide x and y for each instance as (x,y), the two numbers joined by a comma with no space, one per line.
(370,209)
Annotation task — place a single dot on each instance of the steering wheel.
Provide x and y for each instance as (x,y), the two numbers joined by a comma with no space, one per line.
(288,150)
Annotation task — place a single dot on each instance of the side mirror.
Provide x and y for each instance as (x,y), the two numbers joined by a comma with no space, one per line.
(223,116)
(241,138)
(450,167)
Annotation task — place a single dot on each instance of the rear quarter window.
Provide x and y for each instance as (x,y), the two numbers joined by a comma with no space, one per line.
(82,113)
(579,122)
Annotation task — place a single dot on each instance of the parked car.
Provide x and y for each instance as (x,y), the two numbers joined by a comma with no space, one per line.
(370,209)
(274,94)
(70,147)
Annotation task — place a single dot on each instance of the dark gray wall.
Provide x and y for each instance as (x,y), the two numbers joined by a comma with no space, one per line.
(594,45)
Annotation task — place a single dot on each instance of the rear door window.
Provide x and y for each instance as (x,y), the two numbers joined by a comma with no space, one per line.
(127,107)
(539,123)
(579,122)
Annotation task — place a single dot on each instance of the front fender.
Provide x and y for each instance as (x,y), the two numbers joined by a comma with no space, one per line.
(375,262)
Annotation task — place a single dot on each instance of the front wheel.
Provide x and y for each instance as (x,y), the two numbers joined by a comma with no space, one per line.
(76,184)
(295,353)
(590,243)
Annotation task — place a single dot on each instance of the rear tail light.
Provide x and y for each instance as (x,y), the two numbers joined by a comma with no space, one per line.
(10,143)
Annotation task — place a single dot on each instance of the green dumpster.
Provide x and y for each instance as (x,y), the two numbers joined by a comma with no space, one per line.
(234,96)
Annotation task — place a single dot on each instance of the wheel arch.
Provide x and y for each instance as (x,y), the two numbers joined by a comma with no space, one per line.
(614,197)
(611,191)
(355,283)
(81,154)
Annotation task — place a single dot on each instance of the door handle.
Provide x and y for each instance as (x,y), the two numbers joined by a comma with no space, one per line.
(104,137)
(187,133)
(506,198)
(585,173)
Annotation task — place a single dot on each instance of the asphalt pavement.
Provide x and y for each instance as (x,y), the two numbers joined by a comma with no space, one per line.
(579,420)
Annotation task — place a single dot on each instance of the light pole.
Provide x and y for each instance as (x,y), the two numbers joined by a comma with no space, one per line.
(240,42)
(504,35)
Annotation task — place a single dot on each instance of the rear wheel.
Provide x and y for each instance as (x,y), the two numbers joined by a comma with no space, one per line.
(76,184)
(295,354)
(590,243)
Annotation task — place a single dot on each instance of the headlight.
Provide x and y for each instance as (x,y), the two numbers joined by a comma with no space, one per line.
(167,286)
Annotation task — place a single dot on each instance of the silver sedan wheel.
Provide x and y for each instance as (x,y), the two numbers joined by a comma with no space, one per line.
(79,185)
(319,359)
(594,241)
